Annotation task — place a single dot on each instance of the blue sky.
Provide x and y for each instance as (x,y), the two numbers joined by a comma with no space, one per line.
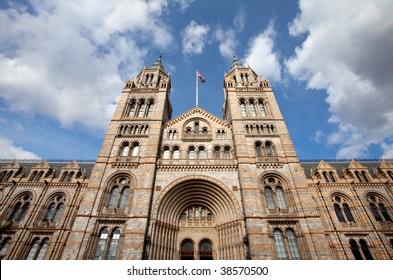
(63,65)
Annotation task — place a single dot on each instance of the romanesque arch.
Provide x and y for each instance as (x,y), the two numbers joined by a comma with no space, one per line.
(197,210)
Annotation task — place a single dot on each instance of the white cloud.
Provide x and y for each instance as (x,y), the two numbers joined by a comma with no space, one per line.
(227,41)
(240,20)
(348,52)
(387,150)
(194,38)
(261,57)
(10,151)
(184,4)
(71,53)
(319,134)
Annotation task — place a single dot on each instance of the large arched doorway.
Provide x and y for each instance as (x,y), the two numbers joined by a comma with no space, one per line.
(201,211)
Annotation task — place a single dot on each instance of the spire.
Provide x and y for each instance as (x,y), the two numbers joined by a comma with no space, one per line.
(158,64)
(236,63)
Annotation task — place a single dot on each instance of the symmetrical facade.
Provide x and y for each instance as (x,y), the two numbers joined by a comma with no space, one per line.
(196,187)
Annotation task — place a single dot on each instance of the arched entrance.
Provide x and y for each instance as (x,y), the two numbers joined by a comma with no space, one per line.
(202,212)
(187,250)
(205,250)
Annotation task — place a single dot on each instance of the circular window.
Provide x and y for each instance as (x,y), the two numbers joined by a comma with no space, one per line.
(123,180)
(271,180)
(337,199)
(372,198)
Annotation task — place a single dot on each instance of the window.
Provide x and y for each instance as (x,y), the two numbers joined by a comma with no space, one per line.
(201,153)
(197,214)
(217,152)
(269,149)
(274,194)
(4,246)
(120,193)
(196,131)
(55,209)
(150,109)
(261,107)
(176,153)
(227,152)
(292,244)
(141,110)
(132,109)
(364,252)
(243,108)
(332,177)
(107,246)
(378,209)
(135,149)
(124,149)
(390,173)
(20,208)
(252,109)
(258,149)
(324,173)
(166,154)
(187,250)
(191,152)
(342,210)
(281,243)
(38,249)
(362,176)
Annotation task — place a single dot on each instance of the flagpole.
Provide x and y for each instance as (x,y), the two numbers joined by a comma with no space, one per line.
(196,87)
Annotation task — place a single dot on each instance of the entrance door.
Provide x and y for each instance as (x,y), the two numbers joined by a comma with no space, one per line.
(187,250)
(205,250)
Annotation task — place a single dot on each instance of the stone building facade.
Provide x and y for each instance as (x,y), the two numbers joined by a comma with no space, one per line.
(196,187)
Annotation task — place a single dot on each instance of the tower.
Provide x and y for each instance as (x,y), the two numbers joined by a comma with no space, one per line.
(119,197)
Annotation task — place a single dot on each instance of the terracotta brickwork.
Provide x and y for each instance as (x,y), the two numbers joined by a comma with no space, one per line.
(196,186)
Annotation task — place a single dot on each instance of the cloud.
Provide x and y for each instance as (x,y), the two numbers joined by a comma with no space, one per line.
(240,20)
(194,38)
(184,4)
(319,134)
(10,151)
(58,56)
(261,57)
(347,51)
(227,41)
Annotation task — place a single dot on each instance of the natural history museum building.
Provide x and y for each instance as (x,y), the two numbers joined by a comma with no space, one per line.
(196,186)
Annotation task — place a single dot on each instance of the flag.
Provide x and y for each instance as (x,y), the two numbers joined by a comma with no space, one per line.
(200,77)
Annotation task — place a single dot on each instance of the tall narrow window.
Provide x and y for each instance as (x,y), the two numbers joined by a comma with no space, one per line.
(166,154)
(114,245)
(135,149)
(365,177)
(125,193)
(280,198)
(196,128)
(390,173)
(227,152)
(150,109)
(243,108)
(201,153)
(365,250)
(113,197)
(374,211)
(43,249)
(100,249)
(4,246)
(357,174)
(269,149)
(15,211)
(338,212)
(176,153)
(258,149)
(348,213)
(125,150)
(252,109)
(132,109)
(332,178)
(217,153)
(355,249)
(59,211)
(279,244)
(385,214)
(261,106)
(141,110)
(324,173)
(33,249)
(191,153)
(292,244)
(51,210)
(269,198)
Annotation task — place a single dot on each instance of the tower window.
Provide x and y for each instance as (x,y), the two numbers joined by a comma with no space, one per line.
(243,108)
(342,210)
(141,110)
(119,194)
(274,195)
(150,109)
(261,106)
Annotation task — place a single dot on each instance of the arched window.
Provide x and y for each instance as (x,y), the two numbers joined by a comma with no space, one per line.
(269,149)
(243,108)
(114,244)
(125,149)
(324,173)
(55,209)
(20,209)
(201,153)
(150,109)
(378,209)
(205,250)
(132,109)
(253,110)
(191,152)
(261,107)
(279,244)
(38,249)
(269,198)
(33,176)
(217,152)
(166,154)
(120,193)
(227,152)
(176,153)
(258,149)
(342,210)
(365,177)
(4,246)
(100,249)
(135,149)
(292,244)
(141,110)
(332,178)
(355,249)
(196,131)
(280,198)
(366,252)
